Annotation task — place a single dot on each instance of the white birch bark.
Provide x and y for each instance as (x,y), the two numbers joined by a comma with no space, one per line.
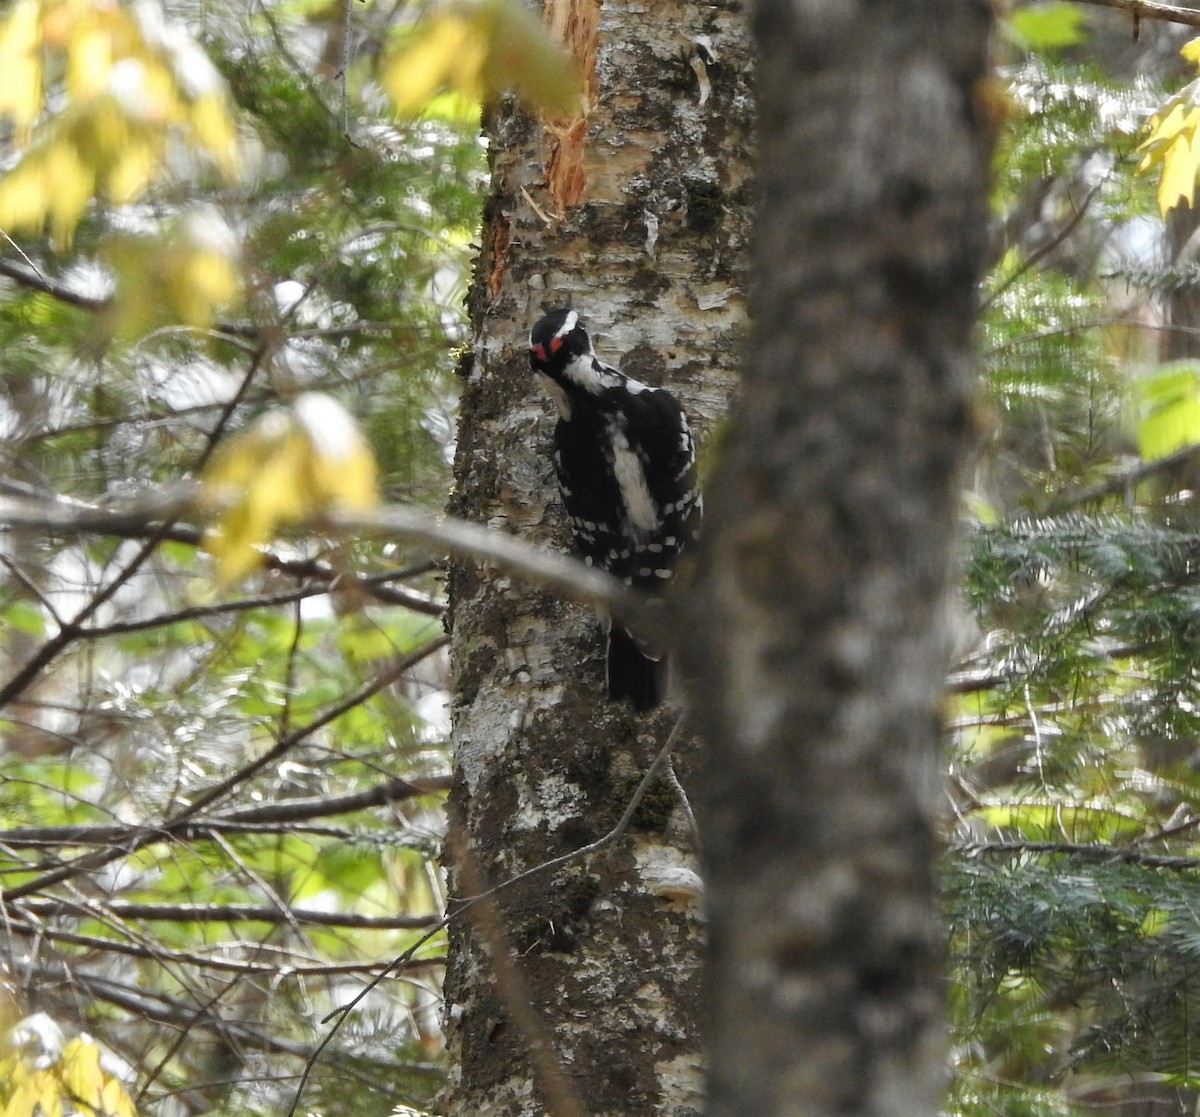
(639,215)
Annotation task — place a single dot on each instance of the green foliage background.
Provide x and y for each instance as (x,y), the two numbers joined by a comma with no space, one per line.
(207,961)
(1071,884)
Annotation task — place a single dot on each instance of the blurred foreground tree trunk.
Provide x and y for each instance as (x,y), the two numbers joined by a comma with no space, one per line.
(819,639)
(640,216)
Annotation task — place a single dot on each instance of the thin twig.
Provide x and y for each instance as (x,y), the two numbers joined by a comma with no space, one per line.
(685,804)
(289,670)
(342,1013)
(557,1096)
(1044,249)
(146,835)
(635,801)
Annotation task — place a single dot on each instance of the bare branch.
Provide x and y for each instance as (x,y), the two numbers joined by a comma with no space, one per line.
(1148,9)
(463,540)
(1120,481)
(34,281)
(439,534)
(1125,855)
(293,810)
(281,964)
(48,908)
(255,817)
(23,506)
(153,1006)
(143,836)
(1043,250)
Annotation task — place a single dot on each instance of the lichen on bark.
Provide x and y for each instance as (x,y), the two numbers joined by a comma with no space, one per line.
(606,951)
(820,651)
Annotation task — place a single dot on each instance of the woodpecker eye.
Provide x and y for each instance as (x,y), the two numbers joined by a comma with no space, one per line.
(539,351)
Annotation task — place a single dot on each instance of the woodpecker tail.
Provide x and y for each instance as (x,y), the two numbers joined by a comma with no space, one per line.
(631,673)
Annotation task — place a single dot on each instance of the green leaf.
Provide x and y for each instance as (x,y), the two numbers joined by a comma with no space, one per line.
(1047,821)
(348,870)
(1169,405)
(24,616)
(1047,26)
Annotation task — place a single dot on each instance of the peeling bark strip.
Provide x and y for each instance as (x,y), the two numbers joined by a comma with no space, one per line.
(826,559)
(576,23)
(654,255)
(566,173)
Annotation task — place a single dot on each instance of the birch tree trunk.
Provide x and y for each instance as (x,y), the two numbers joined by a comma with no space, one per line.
(820,647)
(640,216)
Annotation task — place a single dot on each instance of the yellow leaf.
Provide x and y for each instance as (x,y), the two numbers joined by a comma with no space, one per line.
(286,468)
(253,481)
(214,126)
(1172,144)
(1178,176)
(1191,51)
(50,183)
(132,171)
(21,89)
(81,1073)
(50,1094)
(270,499)
(22,200)
(1163,130)
(341,465)
(522,56)
(187,274)
(479,50)
(23,1100)
(445,53)
(128,88)
(89,60)
(115,1100)
(68,184)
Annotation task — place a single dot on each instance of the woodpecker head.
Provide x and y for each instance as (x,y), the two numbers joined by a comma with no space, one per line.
(556,341)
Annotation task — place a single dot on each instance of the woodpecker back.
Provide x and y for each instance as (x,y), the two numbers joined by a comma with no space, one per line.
(626,466)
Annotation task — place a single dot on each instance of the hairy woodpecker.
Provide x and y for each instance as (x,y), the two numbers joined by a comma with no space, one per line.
(626,466)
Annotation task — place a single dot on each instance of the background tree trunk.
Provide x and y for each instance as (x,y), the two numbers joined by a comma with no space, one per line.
(641,216)
(821,651)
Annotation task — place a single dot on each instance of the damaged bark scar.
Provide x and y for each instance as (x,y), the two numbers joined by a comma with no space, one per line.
(497,254)
(566,178)
(576,24)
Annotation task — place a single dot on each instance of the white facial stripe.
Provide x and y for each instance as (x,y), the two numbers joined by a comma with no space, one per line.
(631,480)
(571,321)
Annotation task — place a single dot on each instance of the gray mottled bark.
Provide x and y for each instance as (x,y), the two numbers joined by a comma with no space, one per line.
(827,560)
(641,216)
